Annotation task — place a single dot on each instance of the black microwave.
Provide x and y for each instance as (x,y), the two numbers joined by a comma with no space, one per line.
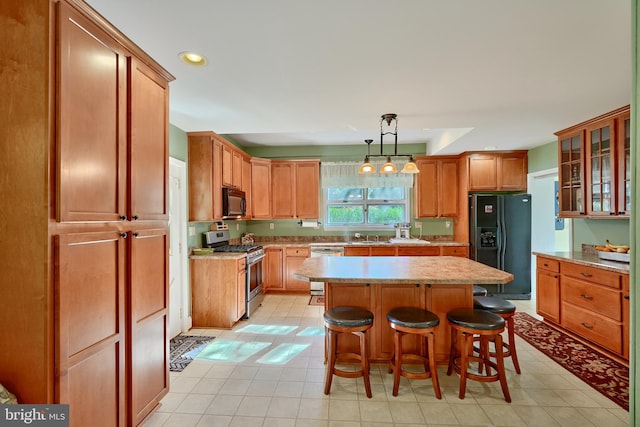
(234,203)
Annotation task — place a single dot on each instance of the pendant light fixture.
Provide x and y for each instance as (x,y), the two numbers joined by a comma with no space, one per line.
(388,167)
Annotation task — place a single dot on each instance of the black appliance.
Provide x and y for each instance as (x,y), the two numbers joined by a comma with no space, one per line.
(219,240)
(500,236)
(234,203)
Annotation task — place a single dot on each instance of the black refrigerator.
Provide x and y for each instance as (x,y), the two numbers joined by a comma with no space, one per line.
(500,236)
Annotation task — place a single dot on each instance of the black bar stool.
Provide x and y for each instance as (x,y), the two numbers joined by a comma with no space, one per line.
(506,310)
(465,324)
(416,321)
(479,291)
(352,320)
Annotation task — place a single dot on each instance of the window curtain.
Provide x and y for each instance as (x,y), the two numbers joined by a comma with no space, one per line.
(345,174)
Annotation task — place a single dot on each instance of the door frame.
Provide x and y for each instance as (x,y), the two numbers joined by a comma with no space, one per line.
(180,167)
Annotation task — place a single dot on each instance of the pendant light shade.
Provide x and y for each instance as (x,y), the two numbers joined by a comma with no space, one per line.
(367,167)
(389,167)
(410,167)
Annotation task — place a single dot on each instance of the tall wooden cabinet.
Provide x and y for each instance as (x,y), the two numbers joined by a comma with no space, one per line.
(294,189)
(85,255)
(436,187)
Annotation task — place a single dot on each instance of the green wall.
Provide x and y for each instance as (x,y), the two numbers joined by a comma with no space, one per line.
(543,157)
(178,144)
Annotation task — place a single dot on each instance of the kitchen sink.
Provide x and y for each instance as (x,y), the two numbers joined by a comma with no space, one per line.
(368,242)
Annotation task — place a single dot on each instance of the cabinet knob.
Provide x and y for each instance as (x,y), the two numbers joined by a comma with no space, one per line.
(136,234)
(626,297)
(612,213)
(122,217)
(545,264)
(123,235)
(555,276)
(135,217)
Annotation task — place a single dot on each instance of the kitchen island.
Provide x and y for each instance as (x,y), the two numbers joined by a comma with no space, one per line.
(379,284)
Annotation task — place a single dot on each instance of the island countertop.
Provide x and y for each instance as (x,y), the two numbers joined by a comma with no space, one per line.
(401,270)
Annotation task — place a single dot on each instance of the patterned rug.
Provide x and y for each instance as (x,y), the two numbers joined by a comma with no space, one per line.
(604,374)
(184,348)
(316,300)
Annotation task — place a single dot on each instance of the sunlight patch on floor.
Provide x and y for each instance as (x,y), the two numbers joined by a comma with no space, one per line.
(232,351)
(282,354)
(267,329)
(311,331)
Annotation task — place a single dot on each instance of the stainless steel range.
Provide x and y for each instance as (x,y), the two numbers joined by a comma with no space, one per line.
(219,240)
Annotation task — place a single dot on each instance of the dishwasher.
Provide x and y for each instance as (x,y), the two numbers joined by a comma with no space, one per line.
(317,288)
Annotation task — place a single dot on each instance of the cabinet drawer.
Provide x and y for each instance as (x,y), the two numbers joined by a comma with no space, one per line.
(455,251)
(383,251)
(548,264)
(361,251)
(300,251)
(597,299)
(592,274)
(418,251)
(600,330)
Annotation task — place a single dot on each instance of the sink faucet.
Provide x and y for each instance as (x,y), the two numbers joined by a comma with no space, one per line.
(377,238)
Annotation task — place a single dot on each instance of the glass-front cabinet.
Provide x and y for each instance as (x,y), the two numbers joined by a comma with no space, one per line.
(594,167)
(601,196)
(571,169)
(624,164)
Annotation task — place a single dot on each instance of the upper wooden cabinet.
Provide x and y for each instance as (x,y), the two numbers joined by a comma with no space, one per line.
(205,177)
(261,188)
(231,165)
(594,167)
(295,189)
(436,187)
(497,171)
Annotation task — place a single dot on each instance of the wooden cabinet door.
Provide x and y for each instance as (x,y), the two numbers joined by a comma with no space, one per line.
(149,321)
(261,188)
(461,251)
(600,163)
(483,172)
(623,153)
(246,185)
(625,316)
(571,174)
(236,169)
(391,296)
(282,190)
(448,188)
(89,297)
(227,166)
(426,190)
(273,263)
(512,172)
(357,251)
(149,144)
(91,122)
(418,250)
(241,285)
(548,294)
(200,178)
(307,187)
(354,295)
(294,257)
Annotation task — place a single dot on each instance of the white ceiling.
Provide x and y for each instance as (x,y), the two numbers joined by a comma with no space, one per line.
(461,74)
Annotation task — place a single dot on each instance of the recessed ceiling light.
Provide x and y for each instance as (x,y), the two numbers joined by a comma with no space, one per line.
(192,58)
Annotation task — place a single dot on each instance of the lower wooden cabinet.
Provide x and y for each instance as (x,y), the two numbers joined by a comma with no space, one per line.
(293,258)
(548,289)
(273,268)
(585,300)
(217,287)
(408,250)
(281,262)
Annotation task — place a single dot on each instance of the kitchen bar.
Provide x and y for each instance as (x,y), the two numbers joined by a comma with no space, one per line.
(379,284)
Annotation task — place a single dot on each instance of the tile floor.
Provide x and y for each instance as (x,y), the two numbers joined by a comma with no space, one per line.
(261,391)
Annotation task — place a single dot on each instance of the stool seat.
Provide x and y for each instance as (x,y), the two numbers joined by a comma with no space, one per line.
(479,291)
(348,317)
(412,317)
(475,319)
(494,305)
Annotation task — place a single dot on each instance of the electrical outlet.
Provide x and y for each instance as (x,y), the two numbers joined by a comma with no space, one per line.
(192,231)
(271,226)
(418,225)
(447,224)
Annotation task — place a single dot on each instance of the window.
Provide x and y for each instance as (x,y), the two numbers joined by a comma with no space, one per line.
(365,208)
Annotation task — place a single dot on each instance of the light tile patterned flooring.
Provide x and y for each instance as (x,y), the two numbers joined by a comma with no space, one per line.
(253,393)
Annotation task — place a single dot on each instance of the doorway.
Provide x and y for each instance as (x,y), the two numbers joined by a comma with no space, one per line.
(179,319)
(548,234)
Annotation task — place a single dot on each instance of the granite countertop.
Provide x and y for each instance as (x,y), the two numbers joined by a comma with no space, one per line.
(380,243)
(587,259)
(401,270)
(220,255)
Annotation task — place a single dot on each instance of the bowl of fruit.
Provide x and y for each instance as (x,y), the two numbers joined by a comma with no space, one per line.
(614,252)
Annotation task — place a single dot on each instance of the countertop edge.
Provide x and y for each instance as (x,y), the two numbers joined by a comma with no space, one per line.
(586,260)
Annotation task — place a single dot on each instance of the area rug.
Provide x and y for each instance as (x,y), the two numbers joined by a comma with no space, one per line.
(316,300)
(606,375)
(184,348)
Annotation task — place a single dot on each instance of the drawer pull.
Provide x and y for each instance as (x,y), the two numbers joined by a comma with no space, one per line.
(626,297)
(587,325)
(586,274)
(587,297)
